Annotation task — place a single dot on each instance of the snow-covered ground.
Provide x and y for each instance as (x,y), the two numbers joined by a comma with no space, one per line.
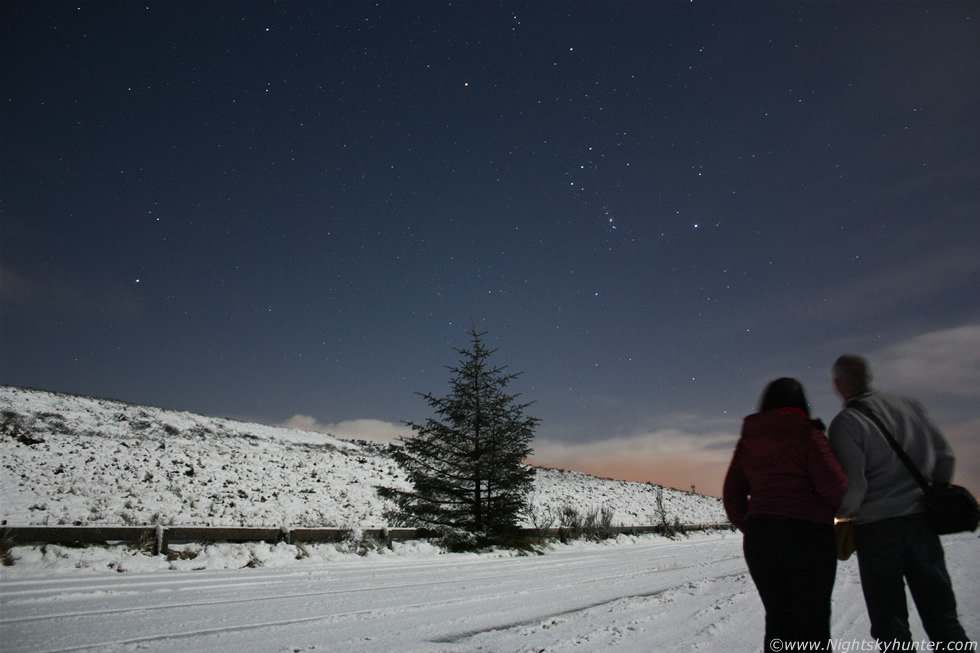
(634,594)
(76,460)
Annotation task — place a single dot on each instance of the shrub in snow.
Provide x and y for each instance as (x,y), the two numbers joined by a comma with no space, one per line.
(594,524)
(356,541)
(6,558)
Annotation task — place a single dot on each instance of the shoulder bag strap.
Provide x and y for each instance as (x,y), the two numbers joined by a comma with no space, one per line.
(904,457)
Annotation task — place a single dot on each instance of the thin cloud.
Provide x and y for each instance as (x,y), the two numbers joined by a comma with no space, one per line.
(672,457)
(66,296)
(899,285)
(945,361)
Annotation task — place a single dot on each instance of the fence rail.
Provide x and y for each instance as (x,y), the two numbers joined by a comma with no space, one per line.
(160,537)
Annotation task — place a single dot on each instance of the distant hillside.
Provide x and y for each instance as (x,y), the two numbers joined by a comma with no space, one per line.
(77,460)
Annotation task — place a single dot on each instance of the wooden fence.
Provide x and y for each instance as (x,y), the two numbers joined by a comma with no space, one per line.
(160,537)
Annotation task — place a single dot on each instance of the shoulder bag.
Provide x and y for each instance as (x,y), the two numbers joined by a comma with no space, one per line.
(949,508)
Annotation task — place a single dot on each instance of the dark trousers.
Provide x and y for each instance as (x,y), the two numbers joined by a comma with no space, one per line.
(891,552)
(793,564)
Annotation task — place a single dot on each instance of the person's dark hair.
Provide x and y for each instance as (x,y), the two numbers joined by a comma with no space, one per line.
(853,373)
(784,393)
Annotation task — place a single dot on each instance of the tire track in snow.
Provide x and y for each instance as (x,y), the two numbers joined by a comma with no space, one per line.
(560,616)
(522,574)
(484,595)
(17,593)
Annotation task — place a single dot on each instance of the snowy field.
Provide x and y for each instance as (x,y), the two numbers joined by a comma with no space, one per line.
(635,594)
(68,460)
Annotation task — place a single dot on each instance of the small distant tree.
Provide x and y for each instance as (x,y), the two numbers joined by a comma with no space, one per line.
(466,463)
(665,528)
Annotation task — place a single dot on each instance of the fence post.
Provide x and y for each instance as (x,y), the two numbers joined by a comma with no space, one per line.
(160,545)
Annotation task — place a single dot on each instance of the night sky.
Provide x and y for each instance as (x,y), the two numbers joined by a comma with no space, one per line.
(292,212)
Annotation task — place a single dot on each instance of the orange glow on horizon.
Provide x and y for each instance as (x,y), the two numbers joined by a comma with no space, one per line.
(676,472)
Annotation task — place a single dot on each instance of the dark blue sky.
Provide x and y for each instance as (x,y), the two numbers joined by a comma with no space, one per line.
(267,210)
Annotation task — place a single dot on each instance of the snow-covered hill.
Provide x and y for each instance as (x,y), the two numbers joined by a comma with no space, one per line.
(73,459)
(78,460)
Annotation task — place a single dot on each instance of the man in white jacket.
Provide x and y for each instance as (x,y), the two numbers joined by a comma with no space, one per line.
(894,542)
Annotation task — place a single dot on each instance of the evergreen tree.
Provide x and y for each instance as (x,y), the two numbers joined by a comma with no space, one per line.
(465,464)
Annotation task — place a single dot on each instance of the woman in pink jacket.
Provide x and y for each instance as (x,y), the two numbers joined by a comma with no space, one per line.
(782,490)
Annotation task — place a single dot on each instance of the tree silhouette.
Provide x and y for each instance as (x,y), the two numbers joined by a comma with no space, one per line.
(465,463)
